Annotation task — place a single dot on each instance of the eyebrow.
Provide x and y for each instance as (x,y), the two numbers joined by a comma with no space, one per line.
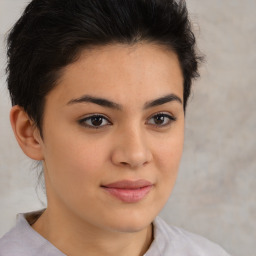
(165,99)
(110,104)
(96,100)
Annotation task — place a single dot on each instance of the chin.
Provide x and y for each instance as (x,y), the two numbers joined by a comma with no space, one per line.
(129,223)
(130,227)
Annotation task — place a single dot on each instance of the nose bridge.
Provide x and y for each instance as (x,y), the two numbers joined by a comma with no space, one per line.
(134,141)
(132,147)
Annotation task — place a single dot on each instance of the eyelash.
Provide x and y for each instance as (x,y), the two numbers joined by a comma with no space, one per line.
(164,115)
(91,126)
(102,117)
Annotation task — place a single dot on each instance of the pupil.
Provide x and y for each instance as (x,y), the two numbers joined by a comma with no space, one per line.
(96,121)
(159,119)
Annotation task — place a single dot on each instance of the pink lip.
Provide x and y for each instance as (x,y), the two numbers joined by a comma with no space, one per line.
(129,191)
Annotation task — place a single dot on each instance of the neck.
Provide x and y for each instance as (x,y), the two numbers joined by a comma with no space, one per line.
(78,237)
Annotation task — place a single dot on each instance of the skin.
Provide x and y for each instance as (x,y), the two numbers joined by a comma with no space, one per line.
(128,145)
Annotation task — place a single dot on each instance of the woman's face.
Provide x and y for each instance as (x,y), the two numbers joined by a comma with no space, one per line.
(113,136)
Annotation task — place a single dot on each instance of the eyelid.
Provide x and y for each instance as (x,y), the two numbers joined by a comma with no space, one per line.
(82,120)
(93,114)
(170,116)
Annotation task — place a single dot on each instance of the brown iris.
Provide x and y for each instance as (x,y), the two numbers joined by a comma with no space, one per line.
(96,120)
(159,119)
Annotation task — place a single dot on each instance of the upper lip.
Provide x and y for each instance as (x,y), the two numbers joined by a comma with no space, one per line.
(128,184)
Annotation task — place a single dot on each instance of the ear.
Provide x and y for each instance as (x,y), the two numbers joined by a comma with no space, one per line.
(26,133)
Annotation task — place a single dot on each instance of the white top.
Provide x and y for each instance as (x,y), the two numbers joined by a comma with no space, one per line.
(23,240)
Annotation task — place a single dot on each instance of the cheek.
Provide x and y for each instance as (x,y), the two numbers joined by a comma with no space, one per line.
(73,161)
(168,159)
(170,151)
(74,169)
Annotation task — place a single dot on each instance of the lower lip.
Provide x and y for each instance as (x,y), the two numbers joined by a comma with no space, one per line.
(129,195)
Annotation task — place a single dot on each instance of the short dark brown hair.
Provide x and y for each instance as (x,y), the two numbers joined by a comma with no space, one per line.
(50,34)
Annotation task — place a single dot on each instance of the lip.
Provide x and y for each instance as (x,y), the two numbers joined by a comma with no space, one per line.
(129,191)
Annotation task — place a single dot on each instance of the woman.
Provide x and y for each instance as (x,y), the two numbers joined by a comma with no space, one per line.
(99,92)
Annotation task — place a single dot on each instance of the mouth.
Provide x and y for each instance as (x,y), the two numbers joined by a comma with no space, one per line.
(129,191)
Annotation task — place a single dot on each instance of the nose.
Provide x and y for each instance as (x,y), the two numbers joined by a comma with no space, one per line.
(131,149)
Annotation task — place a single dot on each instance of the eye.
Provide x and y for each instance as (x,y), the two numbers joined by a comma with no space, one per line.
(161,119)
(95,121)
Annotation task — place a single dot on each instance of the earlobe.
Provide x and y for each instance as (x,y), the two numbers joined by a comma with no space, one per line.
(27,135)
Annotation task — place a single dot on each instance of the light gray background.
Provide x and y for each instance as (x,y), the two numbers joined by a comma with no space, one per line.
(215,194)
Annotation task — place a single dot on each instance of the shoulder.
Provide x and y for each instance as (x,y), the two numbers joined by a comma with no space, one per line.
(11,243)
(23,240)
(175,241)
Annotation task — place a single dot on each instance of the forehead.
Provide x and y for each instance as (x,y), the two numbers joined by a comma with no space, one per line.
(123,72)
